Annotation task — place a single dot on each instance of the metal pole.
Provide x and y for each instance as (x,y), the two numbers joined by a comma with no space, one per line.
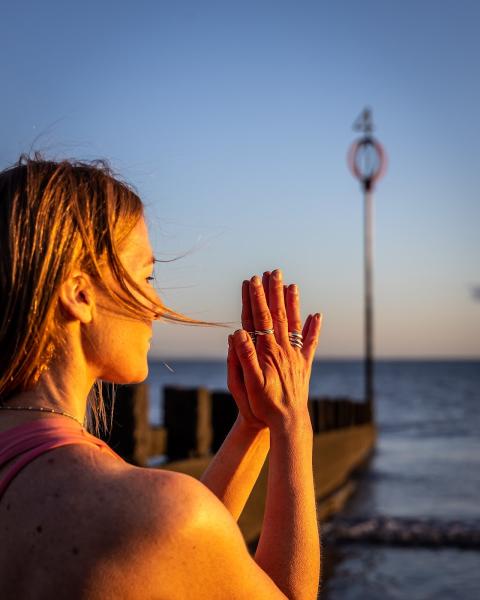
(367,161)
(368,255)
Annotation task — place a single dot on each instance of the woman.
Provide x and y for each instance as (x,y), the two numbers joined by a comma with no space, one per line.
(76,308)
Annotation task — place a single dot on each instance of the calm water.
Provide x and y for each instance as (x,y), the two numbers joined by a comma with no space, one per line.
(426,466)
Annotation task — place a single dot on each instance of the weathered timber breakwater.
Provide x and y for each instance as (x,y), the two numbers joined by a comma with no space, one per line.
(196,421)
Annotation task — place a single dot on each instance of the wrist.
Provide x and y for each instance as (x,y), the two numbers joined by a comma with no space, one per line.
(249,427)
(299,424)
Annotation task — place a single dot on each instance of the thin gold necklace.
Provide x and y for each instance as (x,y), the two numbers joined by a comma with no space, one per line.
(42,409)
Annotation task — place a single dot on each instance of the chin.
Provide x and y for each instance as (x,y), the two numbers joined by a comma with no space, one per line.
(128,375)
(140,375)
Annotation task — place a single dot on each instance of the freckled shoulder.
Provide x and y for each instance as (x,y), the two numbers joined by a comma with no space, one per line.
(120,531)
(176,540)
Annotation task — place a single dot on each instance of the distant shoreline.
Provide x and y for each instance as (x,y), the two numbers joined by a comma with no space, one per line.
(394,359)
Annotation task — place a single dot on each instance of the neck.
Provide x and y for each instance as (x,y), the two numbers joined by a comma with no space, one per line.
(43,410)
(63,390)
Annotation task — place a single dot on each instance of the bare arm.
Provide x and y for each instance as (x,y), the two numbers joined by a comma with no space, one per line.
(276,377)
(234,469)
(288,549)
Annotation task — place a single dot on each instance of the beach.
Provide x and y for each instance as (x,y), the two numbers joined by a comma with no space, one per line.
(425,469)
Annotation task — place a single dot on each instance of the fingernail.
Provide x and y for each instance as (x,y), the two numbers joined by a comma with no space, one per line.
(255,280)
(241,334)
(293,288)
(277,274)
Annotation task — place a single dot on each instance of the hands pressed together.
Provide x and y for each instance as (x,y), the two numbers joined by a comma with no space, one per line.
(269,379)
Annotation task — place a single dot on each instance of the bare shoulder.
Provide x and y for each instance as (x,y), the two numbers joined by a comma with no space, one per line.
(121,532)
(179,541)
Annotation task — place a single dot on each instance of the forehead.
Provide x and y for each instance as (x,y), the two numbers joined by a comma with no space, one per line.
(137,245)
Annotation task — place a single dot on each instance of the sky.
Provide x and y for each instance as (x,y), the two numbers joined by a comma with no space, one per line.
(233,121)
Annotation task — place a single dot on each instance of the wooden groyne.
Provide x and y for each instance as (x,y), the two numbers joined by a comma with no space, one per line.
(196,421)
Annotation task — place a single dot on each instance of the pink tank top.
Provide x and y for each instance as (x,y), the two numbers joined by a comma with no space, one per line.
(29,440)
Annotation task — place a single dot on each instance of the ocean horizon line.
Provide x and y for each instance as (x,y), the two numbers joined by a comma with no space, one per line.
(429,359)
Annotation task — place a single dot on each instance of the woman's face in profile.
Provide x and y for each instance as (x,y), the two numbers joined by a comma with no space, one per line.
(122,341)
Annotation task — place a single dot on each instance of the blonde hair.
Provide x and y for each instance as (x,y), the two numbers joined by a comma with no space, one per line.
(55,216)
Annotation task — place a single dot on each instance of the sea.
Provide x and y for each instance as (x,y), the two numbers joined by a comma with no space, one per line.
(412,528)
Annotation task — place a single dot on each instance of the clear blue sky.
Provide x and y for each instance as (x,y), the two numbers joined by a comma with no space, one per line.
(233,120)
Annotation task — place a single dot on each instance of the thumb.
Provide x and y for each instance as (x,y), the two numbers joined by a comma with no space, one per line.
(247,355)
(235,382)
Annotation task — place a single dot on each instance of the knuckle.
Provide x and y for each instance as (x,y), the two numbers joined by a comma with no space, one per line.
(246,352)
(272,351)
(279,314)
(257,291)
(264,315)
(277,288)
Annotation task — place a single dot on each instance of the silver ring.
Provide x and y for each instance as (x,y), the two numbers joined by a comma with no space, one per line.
(252,335)
(297,343)
(296,339)
(295,334)
(264,332)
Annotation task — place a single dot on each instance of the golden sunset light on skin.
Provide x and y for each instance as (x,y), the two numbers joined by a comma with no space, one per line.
(87,310)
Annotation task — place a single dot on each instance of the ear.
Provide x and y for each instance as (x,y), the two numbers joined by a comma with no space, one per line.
(76,297)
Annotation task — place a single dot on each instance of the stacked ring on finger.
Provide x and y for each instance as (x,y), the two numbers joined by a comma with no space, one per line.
(264,332)
(296,338)
(252,335)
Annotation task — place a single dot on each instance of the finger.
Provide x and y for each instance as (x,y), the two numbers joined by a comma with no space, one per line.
(310,341)
(235,381)
(262,318)
(247,317)
(266,284)
(236,385)
(277,308)
(285,288)
(247,356)
(293,308)
(306,326)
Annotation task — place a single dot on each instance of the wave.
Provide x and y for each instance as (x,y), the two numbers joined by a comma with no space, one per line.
(404,532)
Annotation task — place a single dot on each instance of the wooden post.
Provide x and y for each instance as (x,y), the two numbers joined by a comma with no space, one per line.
(188,422)
(314,410)
(224,414)
(130,434)
(322,421)
(158,441)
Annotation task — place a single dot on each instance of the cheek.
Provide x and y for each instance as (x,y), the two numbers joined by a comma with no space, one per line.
(125,353)
(117,350)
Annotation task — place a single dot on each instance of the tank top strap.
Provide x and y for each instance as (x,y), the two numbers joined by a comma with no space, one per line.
(29,440)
